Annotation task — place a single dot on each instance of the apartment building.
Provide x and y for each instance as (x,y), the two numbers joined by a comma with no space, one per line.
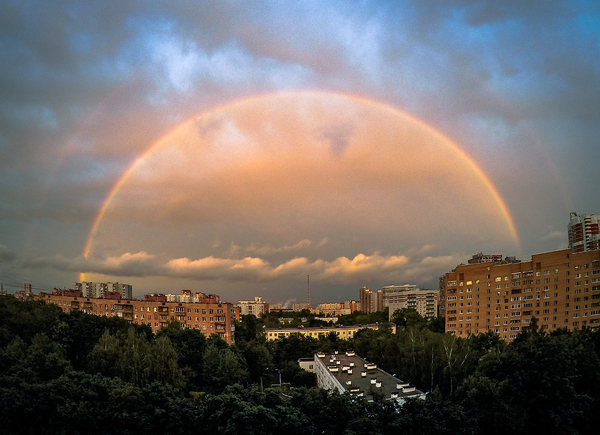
(584,232)
(98,289)
(397,297)
(214,317)
(257,307)
(370,301)
(560,288)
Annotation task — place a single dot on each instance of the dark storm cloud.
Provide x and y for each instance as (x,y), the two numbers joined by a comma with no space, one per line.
(6,255)
(86,87)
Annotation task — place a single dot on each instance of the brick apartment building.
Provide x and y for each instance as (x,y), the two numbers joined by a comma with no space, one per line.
(560,288)
(209,314)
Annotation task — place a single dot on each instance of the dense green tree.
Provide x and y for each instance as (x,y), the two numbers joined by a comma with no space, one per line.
(25,319)
(360,318)
(134,359)
(190,345)
(222,367)
(540,383)
(408,318)
(293,348)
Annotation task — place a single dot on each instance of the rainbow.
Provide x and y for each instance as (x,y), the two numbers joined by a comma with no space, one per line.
(214,111)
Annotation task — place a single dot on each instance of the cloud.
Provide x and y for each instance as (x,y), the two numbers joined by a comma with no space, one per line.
(6,255)
(270,250)
(555,236)
(342,270)
(87,87)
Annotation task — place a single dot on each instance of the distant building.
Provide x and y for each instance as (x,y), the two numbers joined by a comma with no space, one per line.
(344,332)
(584,234)
(370,301)
(300,306)
(336,309)
(26,294)
(209,317)
(397,297)
(98,289)
(197,297)
(349,373)
(257,307)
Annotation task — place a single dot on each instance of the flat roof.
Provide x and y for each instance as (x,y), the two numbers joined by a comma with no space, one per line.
(357,376)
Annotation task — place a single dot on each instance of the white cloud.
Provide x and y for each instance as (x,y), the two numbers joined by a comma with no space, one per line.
(342,270)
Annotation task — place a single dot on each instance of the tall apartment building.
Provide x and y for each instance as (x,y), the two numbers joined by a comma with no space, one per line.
(257,307)
(370,301)
(397,297)
(584,234)
(560,288)
(97,289)
(210,317)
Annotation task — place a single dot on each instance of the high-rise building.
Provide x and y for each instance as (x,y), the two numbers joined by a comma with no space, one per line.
(397,297)
(559,288)
(370,301)
(584,234)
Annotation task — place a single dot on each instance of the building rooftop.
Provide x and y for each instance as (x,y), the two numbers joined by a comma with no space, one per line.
(358,376)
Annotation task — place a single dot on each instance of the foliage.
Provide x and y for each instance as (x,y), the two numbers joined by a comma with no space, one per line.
(125,379)
(360,318)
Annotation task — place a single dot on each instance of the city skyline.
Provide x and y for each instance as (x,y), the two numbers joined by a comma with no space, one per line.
(236,148)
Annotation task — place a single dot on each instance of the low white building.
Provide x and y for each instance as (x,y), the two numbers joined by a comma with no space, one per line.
(256,307)
(347,372)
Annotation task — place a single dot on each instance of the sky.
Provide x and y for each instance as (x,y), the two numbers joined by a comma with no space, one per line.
(247,148)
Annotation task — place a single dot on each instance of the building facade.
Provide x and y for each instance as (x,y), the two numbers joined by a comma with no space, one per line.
(210,318)
(98,289)
(560,288)
(584,234)
(397,297)
(370,301)
(257,307)
(343,332)
(336,309)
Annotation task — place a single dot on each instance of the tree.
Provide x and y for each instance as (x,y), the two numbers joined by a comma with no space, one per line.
(222,367)
(408,317)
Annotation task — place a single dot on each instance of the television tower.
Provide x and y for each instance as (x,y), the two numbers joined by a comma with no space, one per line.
(308,291)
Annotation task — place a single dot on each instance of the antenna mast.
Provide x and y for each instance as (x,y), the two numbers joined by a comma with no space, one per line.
(308,291)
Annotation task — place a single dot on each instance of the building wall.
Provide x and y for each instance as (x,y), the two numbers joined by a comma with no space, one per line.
(257,307)
(560,288)
(370,301)
(209,318)
(425,302)
(344,332)
(584,232)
